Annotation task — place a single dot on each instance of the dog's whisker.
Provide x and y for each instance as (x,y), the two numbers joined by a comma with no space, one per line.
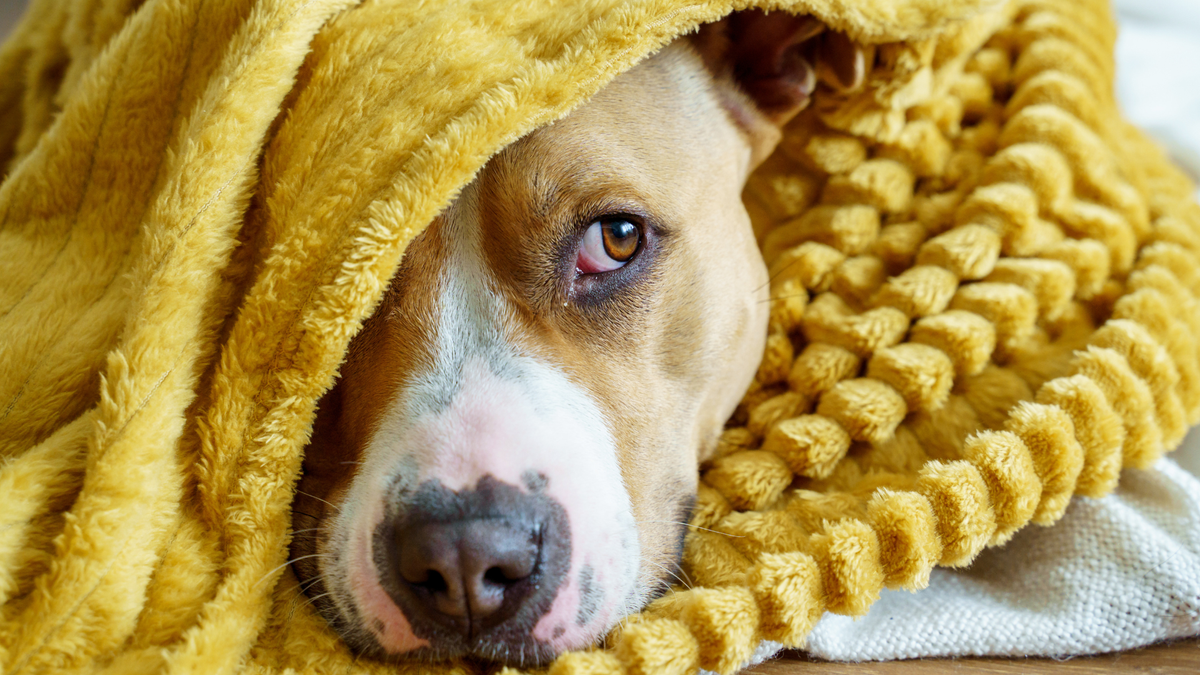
(775,276)
(305,585)
(668,571)
(709,529)
(706,529)
(310,601)
(784,297)
(289,562)
(313,599)
(307,494)
(662,586)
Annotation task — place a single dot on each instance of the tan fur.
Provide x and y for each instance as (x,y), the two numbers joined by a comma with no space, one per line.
(665,357)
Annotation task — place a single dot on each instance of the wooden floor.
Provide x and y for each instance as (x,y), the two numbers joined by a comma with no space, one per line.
(1169,658)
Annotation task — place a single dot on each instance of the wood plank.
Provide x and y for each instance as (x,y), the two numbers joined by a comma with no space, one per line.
(1180,657)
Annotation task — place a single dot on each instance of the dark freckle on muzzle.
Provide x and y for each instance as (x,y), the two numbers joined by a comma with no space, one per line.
(473,571)
(590,596)
(534,481)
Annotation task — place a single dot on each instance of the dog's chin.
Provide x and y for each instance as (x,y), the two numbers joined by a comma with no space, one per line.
(522,655)
(515,647)
(518,654)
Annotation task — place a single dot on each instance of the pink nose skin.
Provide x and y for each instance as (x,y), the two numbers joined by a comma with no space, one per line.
(465,571)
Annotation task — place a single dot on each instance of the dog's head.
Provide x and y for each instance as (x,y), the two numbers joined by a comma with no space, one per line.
(508,462)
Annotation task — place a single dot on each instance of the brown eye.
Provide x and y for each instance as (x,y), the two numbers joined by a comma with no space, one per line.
(608,245)
(621,239)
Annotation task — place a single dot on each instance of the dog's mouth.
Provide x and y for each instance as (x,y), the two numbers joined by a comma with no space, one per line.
(488,573)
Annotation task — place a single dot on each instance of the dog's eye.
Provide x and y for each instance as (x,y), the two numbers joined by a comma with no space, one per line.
(608,245)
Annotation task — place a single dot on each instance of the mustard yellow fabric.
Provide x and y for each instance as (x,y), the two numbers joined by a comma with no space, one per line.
(985,291)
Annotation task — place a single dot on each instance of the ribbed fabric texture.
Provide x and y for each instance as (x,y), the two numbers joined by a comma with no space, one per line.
(985,301)
(1114,573)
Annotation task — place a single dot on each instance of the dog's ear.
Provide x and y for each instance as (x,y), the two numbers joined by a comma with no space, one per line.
(776,59)
(841,64)
(769,60)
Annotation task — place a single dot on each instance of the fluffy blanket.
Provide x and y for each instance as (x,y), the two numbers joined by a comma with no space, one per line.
(985,289)
(1114,573)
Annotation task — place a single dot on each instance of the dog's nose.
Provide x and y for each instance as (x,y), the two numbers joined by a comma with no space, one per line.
(474,568)
(468,570)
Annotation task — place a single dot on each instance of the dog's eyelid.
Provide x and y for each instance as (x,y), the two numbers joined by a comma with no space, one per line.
(651,225)
(611,207)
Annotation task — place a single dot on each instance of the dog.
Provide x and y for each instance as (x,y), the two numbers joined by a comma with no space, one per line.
(507,463)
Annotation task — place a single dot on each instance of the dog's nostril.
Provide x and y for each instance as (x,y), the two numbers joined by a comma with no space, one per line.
(498,577)
(435,583)
(467,570)
(475,569)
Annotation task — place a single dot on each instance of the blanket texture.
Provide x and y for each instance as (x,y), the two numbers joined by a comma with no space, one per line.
(1115,573)
(985,301)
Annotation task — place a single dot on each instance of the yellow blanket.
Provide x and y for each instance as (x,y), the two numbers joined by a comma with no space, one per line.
(986,289)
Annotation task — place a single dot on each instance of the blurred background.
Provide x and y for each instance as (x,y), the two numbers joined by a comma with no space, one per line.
(1158,73)
(10,11)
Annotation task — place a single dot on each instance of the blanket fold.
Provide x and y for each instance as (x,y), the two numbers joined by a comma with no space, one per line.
(985,289)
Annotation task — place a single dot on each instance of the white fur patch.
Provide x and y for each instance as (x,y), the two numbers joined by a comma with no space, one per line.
(484,408)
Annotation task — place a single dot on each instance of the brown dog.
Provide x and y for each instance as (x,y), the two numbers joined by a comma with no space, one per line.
(507,465)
